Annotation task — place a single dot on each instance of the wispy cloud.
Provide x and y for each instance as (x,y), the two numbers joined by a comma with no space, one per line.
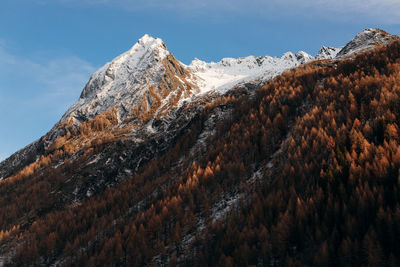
(377,11)
(55,82)
(34,93)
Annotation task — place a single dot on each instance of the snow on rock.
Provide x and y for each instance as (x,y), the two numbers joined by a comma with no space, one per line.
(148,78)
(129,80)
(224,75)
(327,52)
(224,206)
(369,38)
(120,82)
(303,57)
(96,159)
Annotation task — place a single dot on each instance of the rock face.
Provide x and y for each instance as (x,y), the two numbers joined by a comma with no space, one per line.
(364,40)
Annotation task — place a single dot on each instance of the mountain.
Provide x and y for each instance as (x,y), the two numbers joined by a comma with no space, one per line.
(249,161)
(147,85)
(327,52)
(366,39)
(147,78)
(150,80)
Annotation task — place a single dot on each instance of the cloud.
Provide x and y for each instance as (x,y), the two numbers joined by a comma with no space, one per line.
(382,11)
(54,82)
(377,11)
(34,93)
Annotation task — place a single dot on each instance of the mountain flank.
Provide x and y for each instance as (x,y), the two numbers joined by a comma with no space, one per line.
(290,161)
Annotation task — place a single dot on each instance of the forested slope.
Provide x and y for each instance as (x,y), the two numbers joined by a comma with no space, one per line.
(302,171)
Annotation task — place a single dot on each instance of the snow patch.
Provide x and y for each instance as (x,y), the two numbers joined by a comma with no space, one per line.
(89,193)
(58,164)
(222,208)
(367,39)
(96,159)
(269,164)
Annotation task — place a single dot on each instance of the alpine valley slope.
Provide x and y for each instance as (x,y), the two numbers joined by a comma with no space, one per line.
(154,154)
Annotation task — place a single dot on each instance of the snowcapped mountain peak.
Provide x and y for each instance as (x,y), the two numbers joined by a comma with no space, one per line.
(300,57)
(326,52)
(146,83)
(130,81)
(288,56)
(145,52)
(149,79)
(146,39)
(149,43)
(366,39)
(303,57)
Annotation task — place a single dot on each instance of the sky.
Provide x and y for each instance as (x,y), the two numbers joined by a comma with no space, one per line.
(49,48)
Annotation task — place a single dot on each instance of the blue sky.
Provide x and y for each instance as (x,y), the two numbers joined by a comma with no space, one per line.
(49,48)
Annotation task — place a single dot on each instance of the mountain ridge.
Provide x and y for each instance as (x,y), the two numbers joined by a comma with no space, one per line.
(194,80)
(280,171)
